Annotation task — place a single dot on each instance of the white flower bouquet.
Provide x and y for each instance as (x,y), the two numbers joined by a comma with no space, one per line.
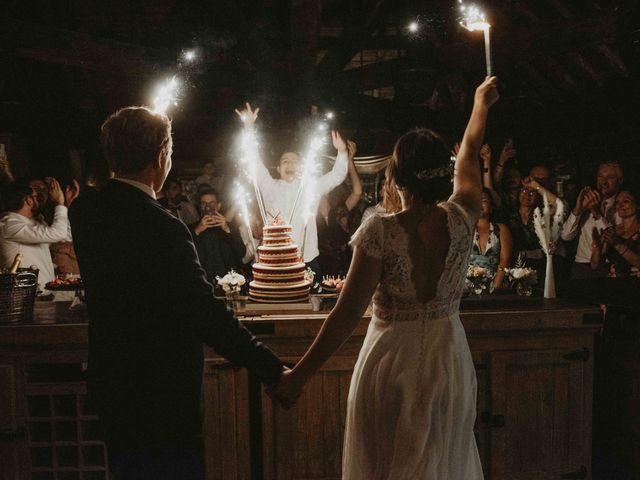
(231,282)
(309,275)
(523,277)
(479,279)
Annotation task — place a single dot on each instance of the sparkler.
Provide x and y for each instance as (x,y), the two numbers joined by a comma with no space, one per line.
(166,95)
(189,55)
(309,168)
(474,19)
(248,159)
(413,27)
(243,199)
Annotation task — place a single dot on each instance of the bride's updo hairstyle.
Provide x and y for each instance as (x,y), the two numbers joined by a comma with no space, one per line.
(421,165)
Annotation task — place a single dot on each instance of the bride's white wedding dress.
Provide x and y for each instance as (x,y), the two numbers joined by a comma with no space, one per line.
(412,400)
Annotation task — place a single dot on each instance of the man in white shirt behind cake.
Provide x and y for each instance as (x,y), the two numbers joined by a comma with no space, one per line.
(279,194)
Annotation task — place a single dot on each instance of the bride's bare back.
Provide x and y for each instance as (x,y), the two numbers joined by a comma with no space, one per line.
(428,245)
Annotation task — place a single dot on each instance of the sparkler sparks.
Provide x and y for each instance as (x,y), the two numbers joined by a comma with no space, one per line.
(309,170)
(243,199)
(413,27)
(166,95)
(189,55)
(473,18)
(248,161)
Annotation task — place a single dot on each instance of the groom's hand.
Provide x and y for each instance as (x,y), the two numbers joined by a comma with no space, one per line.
(287,391)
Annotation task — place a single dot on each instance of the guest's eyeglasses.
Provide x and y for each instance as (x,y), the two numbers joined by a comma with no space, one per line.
(531,193)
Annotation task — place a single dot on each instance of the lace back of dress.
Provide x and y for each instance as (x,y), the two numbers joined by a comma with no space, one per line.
(397,297)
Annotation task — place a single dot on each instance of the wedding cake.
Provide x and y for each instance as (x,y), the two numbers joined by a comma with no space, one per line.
(278,274)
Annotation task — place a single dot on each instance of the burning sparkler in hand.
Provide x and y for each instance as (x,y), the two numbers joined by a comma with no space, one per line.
(473,19)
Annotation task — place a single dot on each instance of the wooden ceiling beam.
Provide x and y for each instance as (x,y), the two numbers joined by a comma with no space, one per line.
(74,49)
(353,38)
(510,47)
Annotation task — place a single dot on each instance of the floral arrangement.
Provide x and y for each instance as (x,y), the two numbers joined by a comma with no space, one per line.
(479,279)
(522,277)
(231,282)
(309,275)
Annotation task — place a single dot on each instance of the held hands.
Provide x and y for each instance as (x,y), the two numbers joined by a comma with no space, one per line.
(338,142)
(248,116)
(487,93)
(287,392)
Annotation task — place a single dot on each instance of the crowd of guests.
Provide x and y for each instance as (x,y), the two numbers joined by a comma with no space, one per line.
(601,225)
(600,235)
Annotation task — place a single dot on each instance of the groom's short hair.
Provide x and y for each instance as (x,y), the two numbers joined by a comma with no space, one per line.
(133,137)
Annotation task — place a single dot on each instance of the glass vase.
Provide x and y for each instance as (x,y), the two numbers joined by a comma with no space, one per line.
(235,302)
(524,289)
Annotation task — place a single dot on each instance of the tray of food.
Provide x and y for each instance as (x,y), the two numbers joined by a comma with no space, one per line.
(331,284)
(66,283)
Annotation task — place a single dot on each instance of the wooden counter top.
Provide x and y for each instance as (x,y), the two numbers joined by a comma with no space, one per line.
(503,313)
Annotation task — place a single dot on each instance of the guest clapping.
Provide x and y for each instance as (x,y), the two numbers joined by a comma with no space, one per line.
(619,246)
(595,208)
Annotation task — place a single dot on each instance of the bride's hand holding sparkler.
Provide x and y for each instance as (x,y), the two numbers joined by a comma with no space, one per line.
(487,93)
(338,142)
(248,116)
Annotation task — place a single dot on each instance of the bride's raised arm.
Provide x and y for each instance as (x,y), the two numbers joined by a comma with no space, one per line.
(467,184)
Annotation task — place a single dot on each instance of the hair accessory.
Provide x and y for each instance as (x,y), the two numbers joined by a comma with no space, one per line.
(431,173)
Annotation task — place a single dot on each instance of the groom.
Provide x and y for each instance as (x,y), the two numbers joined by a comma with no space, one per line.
(150,309)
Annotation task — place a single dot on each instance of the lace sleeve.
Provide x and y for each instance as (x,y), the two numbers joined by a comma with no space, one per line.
(370,237)
(459,213)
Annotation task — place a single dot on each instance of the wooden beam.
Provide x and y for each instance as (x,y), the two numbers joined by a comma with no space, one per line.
(353,38)
(74,49)
(510,47)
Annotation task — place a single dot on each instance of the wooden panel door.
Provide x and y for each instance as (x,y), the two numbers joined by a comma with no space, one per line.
(12,429)
(540,415)
(226,428)
(306,441)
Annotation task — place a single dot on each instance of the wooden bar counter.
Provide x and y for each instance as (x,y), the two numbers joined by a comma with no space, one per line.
(534,361)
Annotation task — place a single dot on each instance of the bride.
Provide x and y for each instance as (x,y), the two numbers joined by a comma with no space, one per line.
(412,399)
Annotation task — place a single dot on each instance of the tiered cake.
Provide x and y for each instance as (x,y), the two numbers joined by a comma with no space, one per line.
(278,274)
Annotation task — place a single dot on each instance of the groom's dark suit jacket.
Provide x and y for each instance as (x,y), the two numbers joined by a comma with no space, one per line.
(150,311)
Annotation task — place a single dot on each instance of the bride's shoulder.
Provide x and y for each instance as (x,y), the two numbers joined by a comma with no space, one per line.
(459,214)
(370,235)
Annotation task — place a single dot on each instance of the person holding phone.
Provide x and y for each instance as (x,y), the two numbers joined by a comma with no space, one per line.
(217,240)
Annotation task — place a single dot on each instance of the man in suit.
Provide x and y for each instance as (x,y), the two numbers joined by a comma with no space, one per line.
(150,309)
